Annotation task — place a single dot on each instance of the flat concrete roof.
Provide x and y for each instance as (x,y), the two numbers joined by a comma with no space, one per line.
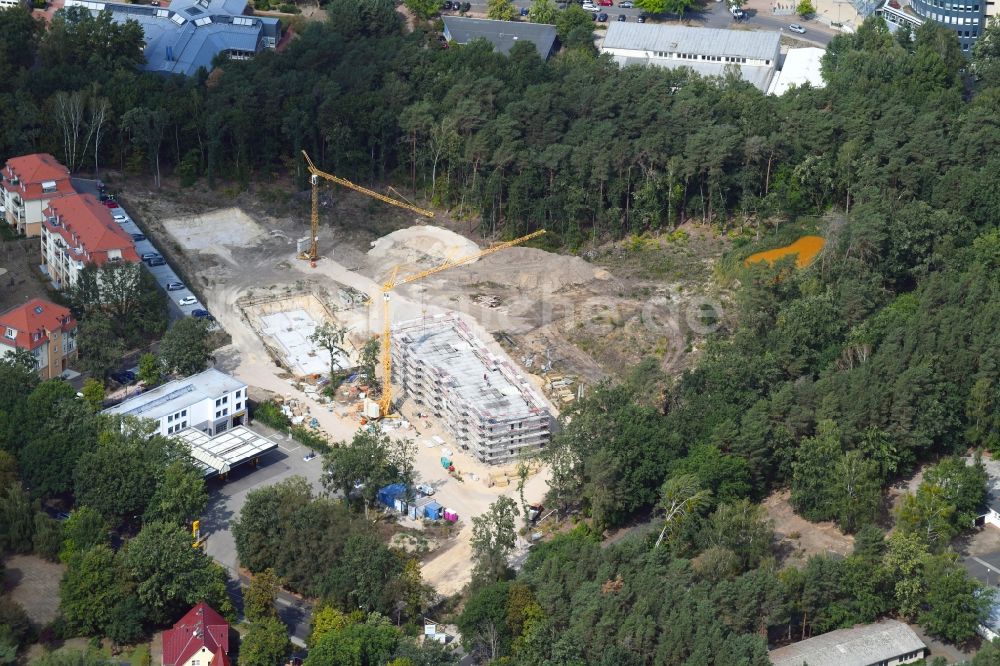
(176,395)
(800,66)
(219,454)
(453,355)
(291,330)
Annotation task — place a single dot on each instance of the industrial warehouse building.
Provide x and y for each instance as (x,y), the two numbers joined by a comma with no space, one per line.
(210,401)
(886,643)
(189,34)
(707,51)
(488,407)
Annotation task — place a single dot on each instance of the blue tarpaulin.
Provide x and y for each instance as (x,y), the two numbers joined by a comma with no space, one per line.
(388,494)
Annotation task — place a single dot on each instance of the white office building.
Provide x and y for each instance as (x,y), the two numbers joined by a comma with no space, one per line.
(210,401)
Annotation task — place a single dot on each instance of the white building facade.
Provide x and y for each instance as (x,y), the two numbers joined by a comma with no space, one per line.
(707,51)
(210,401)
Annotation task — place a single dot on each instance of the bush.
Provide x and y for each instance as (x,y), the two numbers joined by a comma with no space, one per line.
(313,440)
(47,539)
(270,414)
(289,8)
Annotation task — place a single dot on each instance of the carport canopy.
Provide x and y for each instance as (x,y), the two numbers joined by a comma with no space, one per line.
(226,450)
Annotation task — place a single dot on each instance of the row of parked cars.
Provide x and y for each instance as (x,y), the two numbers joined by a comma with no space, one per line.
(449,6)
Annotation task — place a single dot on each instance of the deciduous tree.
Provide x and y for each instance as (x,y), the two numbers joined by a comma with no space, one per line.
(494,536)
(184,349)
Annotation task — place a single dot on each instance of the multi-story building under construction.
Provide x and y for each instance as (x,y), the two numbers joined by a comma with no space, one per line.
(487,405)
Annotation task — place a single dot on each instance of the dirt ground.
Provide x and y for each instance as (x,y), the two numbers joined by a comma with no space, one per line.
(549,312)
(34,583)
(798,539)
(19,278)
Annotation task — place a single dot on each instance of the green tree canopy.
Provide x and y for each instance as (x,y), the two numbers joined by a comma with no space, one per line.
(184,349)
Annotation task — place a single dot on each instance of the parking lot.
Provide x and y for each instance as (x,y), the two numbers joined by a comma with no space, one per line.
(163,274)
(226,499)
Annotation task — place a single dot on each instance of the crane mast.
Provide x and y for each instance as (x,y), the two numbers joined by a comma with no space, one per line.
(312,254)
(385,404)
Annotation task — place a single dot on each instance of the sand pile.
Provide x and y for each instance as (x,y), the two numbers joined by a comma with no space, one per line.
(529,269)
(417,247)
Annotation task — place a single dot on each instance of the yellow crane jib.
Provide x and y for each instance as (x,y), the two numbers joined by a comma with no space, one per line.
(385,404)
(313,253)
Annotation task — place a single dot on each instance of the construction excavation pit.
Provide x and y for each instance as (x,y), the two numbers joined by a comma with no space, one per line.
(286,324)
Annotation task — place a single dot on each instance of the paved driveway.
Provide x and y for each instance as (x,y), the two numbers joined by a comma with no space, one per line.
(226,501)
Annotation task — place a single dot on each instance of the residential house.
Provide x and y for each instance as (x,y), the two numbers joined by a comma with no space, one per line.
(884,643)
(210,401)
(29,184)
(78,230)
(46,330)
(200,638)
(753,54)
(503,35)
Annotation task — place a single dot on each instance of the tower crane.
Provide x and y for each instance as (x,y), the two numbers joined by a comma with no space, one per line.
(392,282)
(312,254)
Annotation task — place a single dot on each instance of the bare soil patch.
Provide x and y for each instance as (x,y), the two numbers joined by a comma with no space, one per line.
(798,539)
(34,583)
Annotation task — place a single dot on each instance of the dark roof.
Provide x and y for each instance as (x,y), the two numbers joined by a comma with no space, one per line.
(502,34)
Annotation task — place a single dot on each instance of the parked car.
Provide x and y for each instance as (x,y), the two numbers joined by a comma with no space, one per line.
(524,11)
(626,4)
(466,6)
(606,3)
(795,27)
(119,217)
(174,286)
(156,261)
(642,18)
(591,7)
(138,237)
(123,377)
(425,489)
(146,256)
(187,300)
(602,18)
(202,314)
(109,203)
(622,18)
(446,6)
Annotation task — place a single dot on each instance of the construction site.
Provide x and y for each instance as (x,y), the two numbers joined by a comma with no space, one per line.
(486,342)
(489,408)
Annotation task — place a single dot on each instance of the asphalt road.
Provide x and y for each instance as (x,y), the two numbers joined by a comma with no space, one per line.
(225,502)
(710,15)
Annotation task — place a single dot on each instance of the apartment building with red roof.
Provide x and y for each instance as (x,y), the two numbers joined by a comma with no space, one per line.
(200,638)
(46,330)
(28,184)
(77,231)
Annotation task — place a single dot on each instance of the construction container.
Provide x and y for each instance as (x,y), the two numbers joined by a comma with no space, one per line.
(432,511)
(416,509)
(388,494)
(399,504)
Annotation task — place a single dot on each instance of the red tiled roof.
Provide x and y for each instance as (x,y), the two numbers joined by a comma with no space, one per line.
(33,170)
(84,222)
(33,321)
(202,627)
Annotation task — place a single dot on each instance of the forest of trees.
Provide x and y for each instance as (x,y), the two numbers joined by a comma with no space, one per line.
(576,145)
